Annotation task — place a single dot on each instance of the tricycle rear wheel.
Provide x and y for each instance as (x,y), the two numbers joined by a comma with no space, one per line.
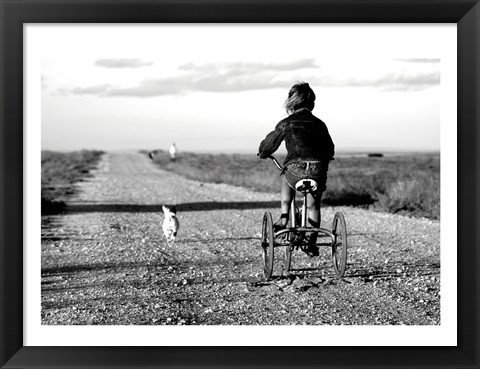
(267,245)
(339,245)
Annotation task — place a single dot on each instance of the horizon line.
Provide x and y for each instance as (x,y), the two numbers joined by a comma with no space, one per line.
(246,151)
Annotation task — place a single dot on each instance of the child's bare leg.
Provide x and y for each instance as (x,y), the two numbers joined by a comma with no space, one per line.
(314,220)
(286,198)
(313,204)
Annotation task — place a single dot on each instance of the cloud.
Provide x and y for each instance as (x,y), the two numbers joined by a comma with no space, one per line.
(122,63)
(242,76)
(91,90)
(210,77)
(419,60)
(185,84)
(253,67)
(386,82)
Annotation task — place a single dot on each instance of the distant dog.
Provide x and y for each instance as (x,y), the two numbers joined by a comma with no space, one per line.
(170,223)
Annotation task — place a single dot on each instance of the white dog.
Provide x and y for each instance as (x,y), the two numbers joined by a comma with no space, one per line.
(170,223)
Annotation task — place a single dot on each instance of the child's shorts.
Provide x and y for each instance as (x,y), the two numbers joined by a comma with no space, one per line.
(315,170)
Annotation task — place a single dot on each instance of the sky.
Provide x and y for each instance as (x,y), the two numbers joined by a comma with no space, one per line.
(221,88)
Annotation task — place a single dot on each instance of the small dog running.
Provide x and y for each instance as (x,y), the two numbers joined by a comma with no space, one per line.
(170,223)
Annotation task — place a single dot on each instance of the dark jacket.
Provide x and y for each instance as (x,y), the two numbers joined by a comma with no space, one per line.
(306,138)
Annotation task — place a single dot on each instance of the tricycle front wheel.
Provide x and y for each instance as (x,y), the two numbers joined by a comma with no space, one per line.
(339,245)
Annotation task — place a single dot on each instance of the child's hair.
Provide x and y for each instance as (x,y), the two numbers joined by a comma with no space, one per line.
(300,96)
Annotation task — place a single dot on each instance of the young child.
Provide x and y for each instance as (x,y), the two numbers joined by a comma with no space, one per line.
(309,151)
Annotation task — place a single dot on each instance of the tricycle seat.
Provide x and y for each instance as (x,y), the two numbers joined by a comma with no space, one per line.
(306,185)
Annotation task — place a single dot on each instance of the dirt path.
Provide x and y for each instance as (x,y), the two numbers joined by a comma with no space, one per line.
(105,260)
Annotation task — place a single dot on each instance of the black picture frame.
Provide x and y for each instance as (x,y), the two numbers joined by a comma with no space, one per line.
(15,13)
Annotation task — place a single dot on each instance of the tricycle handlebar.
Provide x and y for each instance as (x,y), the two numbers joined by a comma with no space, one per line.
(275,161)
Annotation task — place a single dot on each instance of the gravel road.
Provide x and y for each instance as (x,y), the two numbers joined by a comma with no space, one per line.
(105,260)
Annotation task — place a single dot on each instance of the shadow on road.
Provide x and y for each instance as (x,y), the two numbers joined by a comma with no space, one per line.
(157,208)
(164,260)
(210,240)
(394,270)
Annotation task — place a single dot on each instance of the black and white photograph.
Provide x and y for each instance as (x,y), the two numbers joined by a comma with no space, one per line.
(243,175)
(239,184)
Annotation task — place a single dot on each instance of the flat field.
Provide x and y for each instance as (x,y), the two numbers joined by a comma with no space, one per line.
(60,173)
(406,184)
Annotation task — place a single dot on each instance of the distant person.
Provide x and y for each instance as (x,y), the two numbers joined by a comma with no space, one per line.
(173,152)
(309,152)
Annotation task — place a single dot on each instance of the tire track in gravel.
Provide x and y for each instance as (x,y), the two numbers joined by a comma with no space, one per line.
(105,261)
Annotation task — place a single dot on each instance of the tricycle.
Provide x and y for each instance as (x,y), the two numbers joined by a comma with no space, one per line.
(293,236)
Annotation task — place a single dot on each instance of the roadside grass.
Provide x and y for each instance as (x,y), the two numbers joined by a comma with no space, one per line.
(60,172)
(407,184)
